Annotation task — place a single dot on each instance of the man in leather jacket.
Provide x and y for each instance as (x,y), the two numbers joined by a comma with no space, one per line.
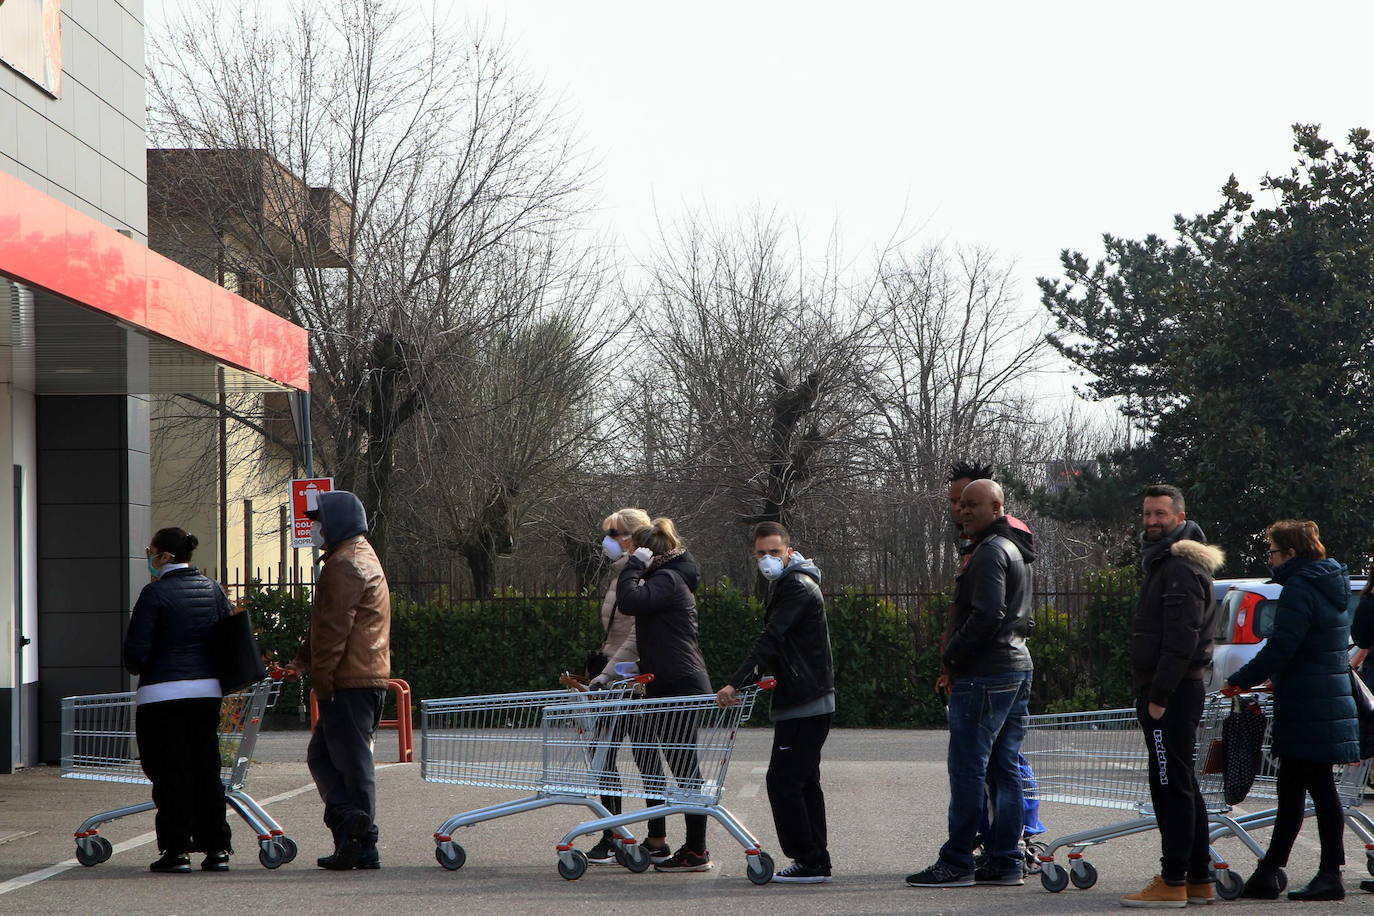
(990,669)
(795,647)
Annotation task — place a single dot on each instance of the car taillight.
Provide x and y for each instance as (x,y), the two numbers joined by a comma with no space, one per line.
(1243,633)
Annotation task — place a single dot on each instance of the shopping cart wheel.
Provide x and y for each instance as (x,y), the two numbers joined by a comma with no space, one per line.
(1053,877)
(761,868)
(1369,862)
(633,858)
(1033,851)
(1083,875)
(93,850)
(1230,884)
(573,865)
(450,855)
(288,848)
(270,854)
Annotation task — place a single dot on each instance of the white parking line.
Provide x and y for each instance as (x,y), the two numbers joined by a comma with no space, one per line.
(751,788)
(143,839)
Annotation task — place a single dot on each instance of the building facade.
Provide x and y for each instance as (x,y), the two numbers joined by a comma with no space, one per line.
(96,327)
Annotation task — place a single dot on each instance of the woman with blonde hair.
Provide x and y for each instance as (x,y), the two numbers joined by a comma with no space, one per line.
(617,648)
(657,587)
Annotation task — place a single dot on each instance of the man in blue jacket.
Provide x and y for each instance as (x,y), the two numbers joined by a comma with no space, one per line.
(795,648)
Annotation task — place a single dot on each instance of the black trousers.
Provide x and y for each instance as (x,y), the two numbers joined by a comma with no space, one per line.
(1297,780)
(675,735)
(340,758)
(1170,741)
(794,788)
(178,746)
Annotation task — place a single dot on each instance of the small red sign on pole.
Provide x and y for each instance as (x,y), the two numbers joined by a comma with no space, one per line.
(304,493)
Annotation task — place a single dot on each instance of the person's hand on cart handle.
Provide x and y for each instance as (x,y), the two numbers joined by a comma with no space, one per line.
(283,672)
(727,696)
(1231,690)
(942,683)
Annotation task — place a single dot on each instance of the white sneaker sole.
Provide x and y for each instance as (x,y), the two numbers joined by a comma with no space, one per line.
(813,879)
(965,883)
(707,867)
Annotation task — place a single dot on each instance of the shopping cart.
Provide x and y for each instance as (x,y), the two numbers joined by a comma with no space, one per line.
(98,743)
(1098,759)
(497,742)
(681,748)
(1351,780)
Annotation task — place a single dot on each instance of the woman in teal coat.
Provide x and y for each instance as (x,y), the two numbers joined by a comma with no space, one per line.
(1315,724)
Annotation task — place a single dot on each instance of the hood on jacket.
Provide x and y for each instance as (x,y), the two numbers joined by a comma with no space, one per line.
(1205,557)
(686,566)
(1328,578)
(800,564)
(341,516)
(1020,536)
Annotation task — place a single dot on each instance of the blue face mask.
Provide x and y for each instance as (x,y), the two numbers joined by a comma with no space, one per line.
(153,571)
(771,567)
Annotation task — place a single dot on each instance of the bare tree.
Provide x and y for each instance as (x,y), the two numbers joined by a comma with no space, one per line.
(429,164)
(755,363)
(954,355)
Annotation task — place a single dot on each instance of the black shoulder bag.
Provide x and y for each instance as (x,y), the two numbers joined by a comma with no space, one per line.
(238,657)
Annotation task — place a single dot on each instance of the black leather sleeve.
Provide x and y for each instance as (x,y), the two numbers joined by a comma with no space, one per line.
(987,578)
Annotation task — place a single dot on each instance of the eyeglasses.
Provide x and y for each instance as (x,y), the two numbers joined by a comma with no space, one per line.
(612,533)
(1271,551)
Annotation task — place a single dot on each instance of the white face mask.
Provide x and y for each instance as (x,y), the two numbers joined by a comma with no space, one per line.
(612,548)
(317,535)
(771,567)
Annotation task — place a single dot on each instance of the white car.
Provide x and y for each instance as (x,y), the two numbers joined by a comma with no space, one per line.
(1246,612)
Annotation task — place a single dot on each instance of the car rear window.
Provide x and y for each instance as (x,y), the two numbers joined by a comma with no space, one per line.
(1264,613)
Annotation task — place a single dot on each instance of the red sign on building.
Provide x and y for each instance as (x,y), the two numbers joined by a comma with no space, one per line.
(304,493)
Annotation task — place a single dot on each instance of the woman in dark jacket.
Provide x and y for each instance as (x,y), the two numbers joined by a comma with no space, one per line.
(170,647)
(1315,725)
(657,587)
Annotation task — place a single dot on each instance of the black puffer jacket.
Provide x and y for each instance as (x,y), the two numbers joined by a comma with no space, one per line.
(172,628)
(1175,622)
(795,644)
(991,614)
(1314,710)
(664,607)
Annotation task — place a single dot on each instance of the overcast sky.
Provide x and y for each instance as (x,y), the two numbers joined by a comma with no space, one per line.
(1025,126)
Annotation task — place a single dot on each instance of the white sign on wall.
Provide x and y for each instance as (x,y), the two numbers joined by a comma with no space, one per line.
(31,41)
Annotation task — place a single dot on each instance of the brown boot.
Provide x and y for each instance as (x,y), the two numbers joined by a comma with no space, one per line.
(1158,895)
(1201,893)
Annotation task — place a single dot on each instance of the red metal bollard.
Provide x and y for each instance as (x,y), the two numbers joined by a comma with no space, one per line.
(403,723)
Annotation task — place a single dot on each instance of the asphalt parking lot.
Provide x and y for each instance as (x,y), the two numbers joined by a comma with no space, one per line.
(886,793)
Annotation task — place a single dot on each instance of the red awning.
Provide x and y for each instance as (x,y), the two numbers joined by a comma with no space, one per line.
(46,245)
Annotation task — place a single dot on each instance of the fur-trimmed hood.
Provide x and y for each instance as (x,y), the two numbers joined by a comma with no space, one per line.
(1207,558)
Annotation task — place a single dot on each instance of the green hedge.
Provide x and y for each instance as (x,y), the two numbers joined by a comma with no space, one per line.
(886,654)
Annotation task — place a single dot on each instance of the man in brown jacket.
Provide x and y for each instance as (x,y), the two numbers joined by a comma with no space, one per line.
(348,656)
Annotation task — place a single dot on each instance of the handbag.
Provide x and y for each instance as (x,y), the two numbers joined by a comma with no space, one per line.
(1364,711)
(1242,736)
(239,659)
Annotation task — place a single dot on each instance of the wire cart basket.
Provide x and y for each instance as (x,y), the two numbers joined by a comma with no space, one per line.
(497,741)
(1098,759)
(681,748)
(98,743)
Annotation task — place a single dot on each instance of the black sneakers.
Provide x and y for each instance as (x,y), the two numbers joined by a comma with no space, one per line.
(660,855)
(797,873)
(940,875)
(686,860)
(603,853)
(215,861)
(986,875)
(172,863)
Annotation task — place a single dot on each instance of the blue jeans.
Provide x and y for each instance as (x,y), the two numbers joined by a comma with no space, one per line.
(987,720)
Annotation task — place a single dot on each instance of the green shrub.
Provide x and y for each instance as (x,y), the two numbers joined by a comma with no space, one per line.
(886,652)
